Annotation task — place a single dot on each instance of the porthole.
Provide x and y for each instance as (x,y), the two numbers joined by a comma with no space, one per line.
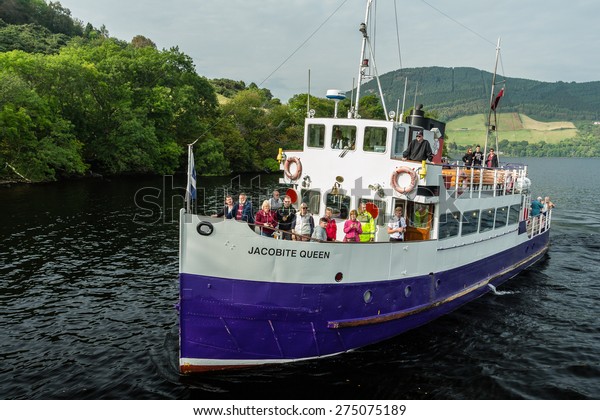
(407,291)
(368,296)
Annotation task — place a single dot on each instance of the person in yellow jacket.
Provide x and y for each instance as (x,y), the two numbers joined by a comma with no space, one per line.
(367,223)
(422,217)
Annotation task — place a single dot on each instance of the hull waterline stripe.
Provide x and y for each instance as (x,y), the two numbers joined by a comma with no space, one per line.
(378,319)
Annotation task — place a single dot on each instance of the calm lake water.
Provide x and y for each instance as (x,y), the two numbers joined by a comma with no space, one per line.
(88,284)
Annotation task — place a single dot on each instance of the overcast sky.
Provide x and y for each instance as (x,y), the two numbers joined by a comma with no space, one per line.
(274,43)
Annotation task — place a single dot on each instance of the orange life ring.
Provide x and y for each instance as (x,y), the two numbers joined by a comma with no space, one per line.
(413,180)
(286,168)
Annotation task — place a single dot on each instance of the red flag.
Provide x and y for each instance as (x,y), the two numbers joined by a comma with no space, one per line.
(500,95)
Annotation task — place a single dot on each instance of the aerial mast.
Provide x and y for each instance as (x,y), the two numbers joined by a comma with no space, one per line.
(493,105)
(364,62)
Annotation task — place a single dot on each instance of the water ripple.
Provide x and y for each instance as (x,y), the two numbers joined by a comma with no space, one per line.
(86,305)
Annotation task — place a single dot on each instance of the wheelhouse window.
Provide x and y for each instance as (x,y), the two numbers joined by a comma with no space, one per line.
(313,199)
(513,216)
(340,204)
(343,137)
(470,222)
(375,139)
(501,217)
(487,220)
(316,135)
(398,146)
(449,225)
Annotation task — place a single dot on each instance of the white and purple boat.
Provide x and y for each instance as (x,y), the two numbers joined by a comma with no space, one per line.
(249,300)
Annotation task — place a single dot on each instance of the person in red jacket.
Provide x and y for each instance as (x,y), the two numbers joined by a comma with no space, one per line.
(331,228)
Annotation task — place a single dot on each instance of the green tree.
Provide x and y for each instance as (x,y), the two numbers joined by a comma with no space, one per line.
(35,142)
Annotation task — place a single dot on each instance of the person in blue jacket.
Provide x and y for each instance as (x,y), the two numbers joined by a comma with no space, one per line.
(536,207)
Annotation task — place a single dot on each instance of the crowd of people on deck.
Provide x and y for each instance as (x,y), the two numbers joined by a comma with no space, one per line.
(540,206)
(279,218)
(476,158)
(419,150)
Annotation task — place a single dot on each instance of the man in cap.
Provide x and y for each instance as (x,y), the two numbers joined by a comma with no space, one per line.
(418,149)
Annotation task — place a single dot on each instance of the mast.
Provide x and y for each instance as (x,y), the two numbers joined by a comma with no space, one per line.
(364,61)
(493,105)
(308,96)
(361,66)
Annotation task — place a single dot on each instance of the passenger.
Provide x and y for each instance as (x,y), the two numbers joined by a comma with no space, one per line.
(367,223)
(331,225)
(468,157)
(286,216)
(305,224)
(242,210)
(418,149)
(478,156)
(227,209)
(397,225)
(275,201)
(536,207)
(320,232)
(421,217)
(352,228)
(266,219)
(338,140)
(491,161)
(549,204)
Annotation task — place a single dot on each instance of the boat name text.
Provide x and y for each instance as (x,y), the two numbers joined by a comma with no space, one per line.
(292,253)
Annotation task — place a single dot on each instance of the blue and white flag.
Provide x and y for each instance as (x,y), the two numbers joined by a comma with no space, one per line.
(191,181)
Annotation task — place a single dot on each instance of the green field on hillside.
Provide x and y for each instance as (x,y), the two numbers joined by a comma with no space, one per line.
(511,126)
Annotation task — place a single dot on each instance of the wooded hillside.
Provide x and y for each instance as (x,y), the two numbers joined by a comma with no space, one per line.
(74,100)
(460,91)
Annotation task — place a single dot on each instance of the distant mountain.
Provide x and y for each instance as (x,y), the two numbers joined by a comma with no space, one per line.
(460,91)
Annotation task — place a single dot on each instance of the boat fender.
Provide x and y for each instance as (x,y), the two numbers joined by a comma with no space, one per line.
(286,168)
(413,180)
(205,228)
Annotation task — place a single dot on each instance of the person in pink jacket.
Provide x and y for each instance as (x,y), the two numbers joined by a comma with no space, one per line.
(352,228)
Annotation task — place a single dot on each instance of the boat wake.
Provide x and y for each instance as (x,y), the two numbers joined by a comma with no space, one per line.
(496,292)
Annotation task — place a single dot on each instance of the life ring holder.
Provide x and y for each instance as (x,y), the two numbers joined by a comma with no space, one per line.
(413,180)
(463,182)
(286,168)
(205,228)
(509,182)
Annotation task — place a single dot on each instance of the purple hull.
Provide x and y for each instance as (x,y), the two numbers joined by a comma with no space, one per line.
(227,319)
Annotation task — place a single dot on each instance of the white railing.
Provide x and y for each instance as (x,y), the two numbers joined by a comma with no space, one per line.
(537,225)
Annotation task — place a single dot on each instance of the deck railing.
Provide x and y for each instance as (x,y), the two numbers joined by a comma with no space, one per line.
(537,225)
(474,182)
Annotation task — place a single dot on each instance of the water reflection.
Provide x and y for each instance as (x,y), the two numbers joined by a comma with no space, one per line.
(88,292)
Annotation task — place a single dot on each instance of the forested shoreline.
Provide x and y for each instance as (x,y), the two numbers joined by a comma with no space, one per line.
(75,101)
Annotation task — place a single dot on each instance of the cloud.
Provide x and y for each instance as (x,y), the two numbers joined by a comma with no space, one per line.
(259,41)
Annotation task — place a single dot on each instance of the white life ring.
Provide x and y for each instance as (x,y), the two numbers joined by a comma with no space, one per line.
(286,168)
(413,180)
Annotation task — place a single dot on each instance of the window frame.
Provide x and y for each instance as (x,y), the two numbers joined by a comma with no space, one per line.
(467,216)
(321,136)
